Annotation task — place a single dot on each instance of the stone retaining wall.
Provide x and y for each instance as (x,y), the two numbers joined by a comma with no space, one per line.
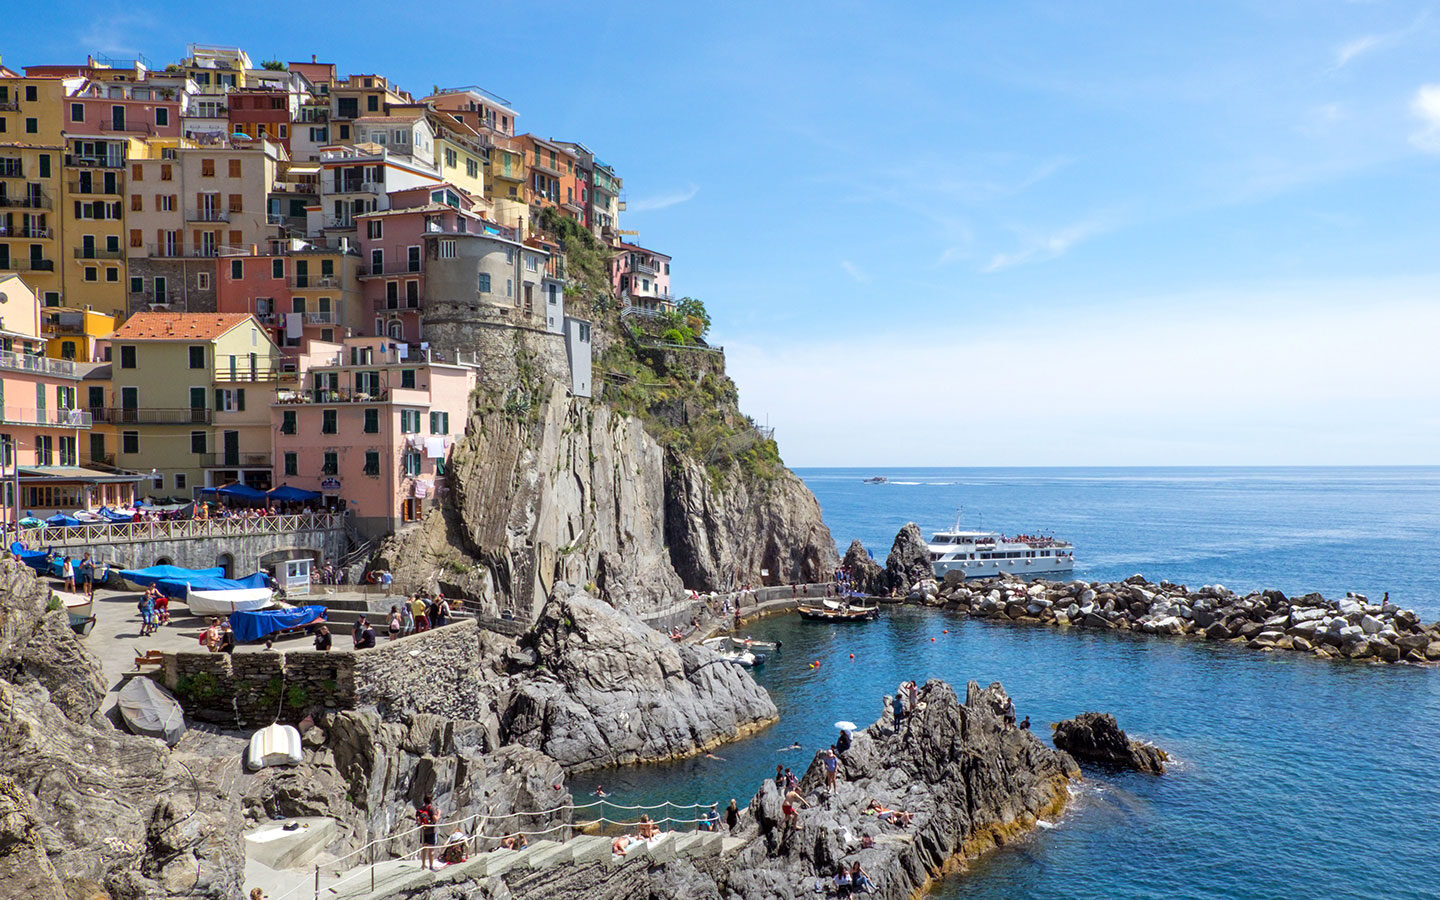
(251,690)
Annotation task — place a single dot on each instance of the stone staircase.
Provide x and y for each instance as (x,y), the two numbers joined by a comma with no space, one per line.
(398,877)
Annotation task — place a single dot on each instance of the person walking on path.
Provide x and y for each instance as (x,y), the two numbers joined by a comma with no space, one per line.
(426,816)
(67,569)
(407,618)
(732,816)
(87,576)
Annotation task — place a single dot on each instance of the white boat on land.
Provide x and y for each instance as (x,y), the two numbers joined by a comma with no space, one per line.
(730,642)
(223,603)
(986,554)
(274,745)
(149,711)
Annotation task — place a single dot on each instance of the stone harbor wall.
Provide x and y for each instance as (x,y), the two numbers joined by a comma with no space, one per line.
(426,673)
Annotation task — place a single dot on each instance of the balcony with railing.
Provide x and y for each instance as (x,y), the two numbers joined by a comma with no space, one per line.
(10,104)
(356,186)
(98,253)
(94,162)
(328,396)
(207,214)
(55,418)
(180,251)
(27,264)
(399,304)
(400,268)
(235,460)
(11,168)
(312,282)
(40,365)
(25,231)
(26,201)
(150,415)
(645,268)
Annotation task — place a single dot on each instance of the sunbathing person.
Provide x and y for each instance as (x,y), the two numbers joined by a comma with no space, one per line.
(515,841)
(893,816)
(455,848)
(647,828)
(618,845)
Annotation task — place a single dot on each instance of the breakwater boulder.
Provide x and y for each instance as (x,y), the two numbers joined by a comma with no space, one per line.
(959,776)
(591,686)
(1096,737)
(1351,627)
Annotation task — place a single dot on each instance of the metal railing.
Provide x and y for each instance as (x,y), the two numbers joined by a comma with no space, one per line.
(236,460)
(99,162)
(327,396)
(184,529)
(23,264)
(310,282)
(25,232)
(94,187)
(403,304)
(98,253)
(644,268)
(405,268)
(180,251)
(28,201)
(59,418)
(207,215)
(24,362)
(151,415)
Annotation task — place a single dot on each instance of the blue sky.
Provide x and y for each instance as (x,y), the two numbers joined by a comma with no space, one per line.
(1026,233)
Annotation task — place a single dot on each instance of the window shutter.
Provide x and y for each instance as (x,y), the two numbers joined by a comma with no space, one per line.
(219,400)
(240,400)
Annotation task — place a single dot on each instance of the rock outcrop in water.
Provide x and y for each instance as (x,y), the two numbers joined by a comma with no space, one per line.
(866,575)
(593,687)
(1096,737)
(968,776)
(1349,628)
(909,561)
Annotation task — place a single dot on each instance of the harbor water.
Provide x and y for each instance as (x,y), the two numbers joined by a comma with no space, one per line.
(1293,777)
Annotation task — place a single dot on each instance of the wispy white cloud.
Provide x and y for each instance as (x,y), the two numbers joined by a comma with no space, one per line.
(1042,247)
(1358,47)
(1425,106)
(855,271)
(118,34)
(663,201)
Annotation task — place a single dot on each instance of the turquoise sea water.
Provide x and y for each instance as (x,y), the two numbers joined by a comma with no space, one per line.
(1294,777)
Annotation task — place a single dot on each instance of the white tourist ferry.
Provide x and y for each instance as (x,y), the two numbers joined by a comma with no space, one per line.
(985,554)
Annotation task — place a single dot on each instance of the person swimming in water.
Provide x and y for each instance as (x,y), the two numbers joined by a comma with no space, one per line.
(599,791)
(709,755)
(794,746)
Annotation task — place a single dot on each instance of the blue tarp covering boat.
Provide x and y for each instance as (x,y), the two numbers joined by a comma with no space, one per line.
(111,515)
(35,559)
(148,576)
(62,520)
(176,587)
(252,626)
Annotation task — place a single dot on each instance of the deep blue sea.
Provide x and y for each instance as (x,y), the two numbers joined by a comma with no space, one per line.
(1293,777)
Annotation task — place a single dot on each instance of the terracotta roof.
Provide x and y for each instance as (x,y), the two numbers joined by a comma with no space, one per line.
(168,326)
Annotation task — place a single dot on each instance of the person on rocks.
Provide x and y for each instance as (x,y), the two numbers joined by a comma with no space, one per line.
(912,691)
(456,848)
(393,628)
(647,828)
(1025,725)
(711,820)
(426,816)
(788,808)
(732,816)
(867,842)
(860,880)
(780,778)
(893,816)
(842,881)
(832,768)
(322,638)
(791,782)
(897,706)
(842,743)
(619,845)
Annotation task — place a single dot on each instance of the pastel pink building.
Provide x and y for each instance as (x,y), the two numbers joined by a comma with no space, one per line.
(642,278)
(116,109)
(372,424)
(392,253)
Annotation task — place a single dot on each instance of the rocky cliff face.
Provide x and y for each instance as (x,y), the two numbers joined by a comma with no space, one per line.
(547,488)
(909,561)
(594,688)
(105,811)
(722,536)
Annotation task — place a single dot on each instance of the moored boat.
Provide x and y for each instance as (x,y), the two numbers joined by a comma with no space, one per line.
(223,603)
(836,611)
(148,710)
(987,554)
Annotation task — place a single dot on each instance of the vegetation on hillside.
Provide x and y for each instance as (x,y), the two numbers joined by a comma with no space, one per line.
(682,395)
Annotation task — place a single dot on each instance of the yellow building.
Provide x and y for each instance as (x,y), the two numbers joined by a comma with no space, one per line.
(32,157)
(194,393)
(461,162)
(75,334)
(505,186)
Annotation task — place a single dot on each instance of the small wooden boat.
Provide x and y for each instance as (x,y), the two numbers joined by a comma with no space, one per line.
(833,611)
(148,710)
(274,745)
(81,611)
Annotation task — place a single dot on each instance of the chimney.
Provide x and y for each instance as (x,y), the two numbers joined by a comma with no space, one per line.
(313,59)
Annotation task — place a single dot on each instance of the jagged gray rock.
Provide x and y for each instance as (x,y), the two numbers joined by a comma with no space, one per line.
(909,559)
(596,687)
(1097,738)
(865,573)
